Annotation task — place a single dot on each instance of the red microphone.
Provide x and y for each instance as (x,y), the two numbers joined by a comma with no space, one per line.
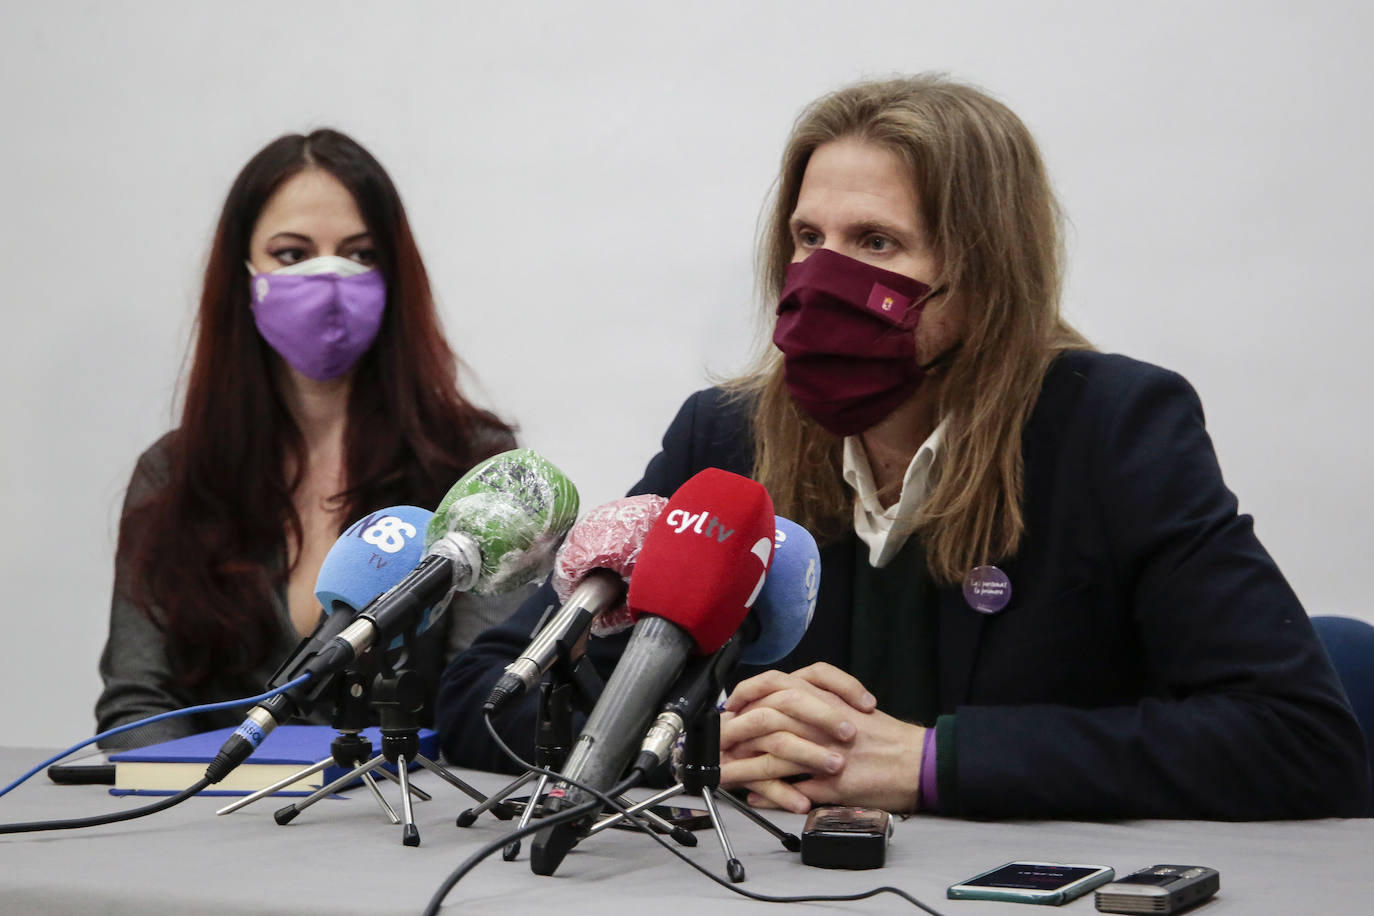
(706,557)
(701,568)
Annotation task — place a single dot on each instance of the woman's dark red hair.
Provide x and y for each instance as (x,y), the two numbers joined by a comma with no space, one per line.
(209,547)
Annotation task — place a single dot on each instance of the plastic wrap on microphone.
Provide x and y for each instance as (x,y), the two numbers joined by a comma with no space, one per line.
(590,574)
(517,507)
(611,537)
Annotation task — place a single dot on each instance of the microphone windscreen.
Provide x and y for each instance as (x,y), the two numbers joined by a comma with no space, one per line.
(788,599)
(703,564)
(609,537)
(373,554)
(516,507)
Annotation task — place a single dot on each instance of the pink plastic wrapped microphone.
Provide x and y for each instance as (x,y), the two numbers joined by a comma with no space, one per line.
(609,537)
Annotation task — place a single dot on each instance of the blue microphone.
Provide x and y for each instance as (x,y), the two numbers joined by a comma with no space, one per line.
(788,600)
(774,627)
(372,555)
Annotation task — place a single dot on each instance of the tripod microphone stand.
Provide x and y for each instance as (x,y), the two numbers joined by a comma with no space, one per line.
(352,700)
(701,776)
(398,697)
(563,685)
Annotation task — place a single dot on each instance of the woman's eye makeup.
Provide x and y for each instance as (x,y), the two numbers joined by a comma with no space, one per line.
(366,256)
(288,254)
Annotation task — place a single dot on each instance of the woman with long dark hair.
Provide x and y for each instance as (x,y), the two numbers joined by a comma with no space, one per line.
(320,388)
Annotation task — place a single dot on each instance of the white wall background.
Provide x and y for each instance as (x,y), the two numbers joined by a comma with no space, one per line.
(585,181)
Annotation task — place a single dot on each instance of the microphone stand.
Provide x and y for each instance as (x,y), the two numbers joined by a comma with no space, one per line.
(701,776)
(352,699)
(399,698)
(553,739)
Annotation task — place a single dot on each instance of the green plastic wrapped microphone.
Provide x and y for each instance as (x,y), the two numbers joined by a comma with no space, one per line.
(505,519)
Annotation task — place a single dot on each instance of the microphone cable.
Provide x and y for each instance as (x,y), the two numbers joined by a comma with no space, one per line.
(472,861)
(154,807)
(572,814)
(605,798)
(111,818)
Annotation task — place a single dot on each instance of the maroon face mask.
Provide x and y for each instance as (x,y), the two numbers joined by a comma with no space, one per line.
(845,329)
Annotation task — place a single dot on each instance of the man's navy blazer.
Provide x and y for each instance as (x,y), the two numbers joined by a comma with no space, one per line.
(1152,661)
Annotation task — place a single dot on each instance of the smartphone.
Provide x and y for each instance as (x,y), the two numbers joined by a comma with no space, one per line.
(688,818)
(1032,882)
(92,768)
(82,774)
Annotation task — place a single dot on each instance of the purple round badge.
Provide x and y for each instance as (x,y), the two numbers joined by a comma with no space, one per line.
(987,589)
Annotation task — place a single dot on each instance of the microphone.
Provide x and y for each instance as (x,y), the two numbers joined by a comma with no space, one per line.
(701,569)
(772,630)
(590,574)
(371,556)
(508,514)
(494,530)
(788,600)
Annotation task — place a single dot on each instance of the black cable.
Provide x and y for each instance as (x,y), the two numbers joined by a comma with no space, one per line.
(564,816)
(111,818)
(471,862)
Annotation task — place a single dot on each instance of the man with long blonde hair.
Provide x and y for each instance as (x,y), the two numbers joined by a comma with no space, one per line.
(1038,598)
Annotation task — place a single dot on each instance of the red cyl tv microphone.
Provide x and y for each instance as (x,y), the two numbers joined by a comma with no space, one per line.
(702,567)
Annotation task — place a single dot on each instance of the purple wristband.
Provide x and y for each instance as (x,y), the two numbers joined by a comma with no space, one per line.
(928,793)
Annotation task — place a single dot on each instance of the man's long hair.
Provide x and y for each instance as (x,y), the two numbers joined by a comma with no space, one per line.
(995,226)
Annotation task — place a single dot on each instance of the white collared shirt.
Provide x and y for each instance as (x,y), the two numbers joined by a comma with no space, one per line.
(885,531)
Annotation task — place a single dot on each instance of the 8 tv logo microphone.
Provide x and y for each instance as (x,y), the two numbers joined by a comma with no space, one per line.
(387,533)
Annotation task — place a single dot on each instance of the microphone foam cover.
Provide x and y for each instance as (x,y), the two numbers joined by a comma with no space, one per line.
(516,506)
(703,563)
(373,554)
(788,599)
(609,537)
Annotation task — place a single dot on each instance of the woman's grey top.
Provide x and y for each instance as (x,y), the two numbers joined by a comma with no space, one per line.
(137,672)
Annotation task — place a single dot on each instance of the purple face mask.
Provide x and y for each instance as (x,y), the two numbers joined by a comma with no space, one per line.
(322,316)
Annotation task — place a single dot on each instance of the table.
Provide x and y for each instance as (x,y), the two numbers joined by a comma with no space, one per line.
(343,856)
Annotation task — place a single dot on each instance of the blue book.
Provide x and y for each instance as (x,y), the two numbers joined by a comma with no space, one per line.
(172,766)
